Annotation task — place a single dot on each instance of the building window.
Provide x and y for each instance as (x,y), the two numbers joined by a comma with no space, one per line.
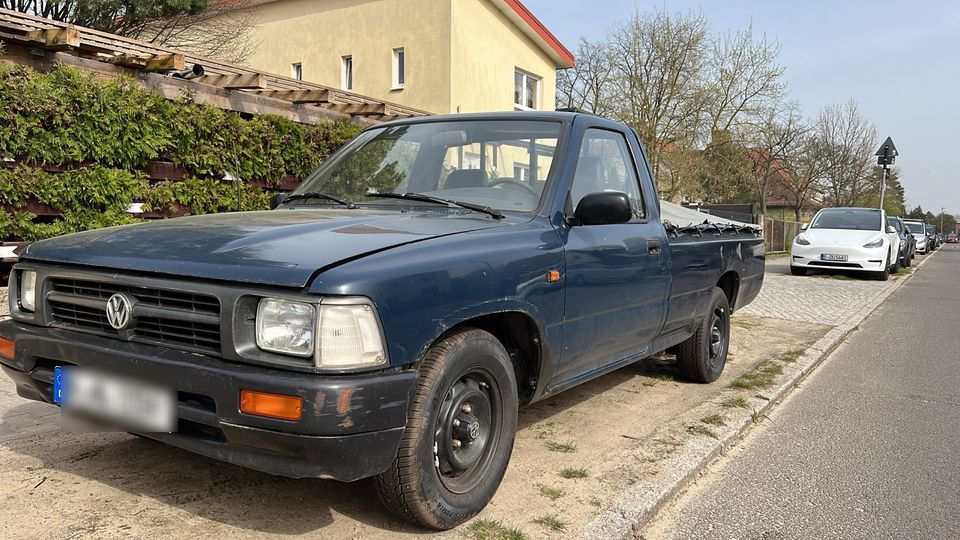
(297,71)
(399,68)
(347,75)
(526,91)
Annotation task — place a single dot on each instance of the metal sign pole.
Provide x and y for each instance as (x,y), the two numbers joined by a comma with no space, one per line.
(883,186)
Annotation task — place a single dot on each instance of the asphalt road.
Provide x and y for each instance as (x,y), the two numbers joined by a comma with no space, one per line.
(868,447)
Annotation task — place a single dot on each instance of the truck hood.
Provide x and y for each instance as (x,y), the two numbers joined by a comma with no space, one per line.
(278,247)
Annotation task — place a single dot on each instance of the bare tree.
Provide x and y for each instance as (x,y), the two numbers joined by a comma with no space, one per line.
(587,86)
(744,80)
(657,62)
(849,141)
(222,29)
(772,142)
(809,168)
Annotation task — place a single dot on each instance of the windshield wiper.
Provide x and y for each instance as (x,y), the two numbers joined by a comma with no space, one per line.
(320,195)
(437,200)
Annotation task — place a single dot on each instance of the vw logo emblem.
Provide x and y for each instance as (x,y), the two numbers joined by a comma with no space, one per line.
(119,311)
(474,430)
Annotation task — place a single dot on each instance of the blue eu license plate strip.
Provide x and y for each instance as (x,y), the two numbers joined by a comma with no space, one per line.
(59,380)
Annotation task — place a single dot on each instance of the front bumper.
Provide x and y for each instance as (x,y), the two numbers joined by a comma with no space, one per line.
(351,427)
(865,259)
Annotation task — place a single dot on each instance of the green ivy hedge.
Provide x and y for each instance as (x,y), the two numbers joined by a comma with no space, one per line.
(105,133)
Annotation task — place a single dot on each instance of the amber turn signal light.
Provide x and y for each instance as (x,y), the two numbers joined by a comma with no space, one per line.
(271,405)
(6,348)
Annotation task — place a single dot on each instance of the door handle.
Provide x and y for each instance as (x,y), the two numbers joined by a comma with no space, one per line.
(654,247)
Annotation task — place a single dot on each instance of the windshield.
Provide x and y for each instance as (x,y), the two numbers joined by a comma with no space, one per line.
(915,228)
(931,229)
(847,218)
(896,224)
(499,164)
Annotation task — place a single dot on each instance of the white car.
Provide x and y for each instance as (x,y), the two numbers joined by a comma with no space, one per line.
(847,239)
(919,231)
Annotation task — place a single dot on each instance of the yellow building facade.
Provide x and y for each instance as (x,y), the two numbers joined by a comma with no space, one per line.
(441,56)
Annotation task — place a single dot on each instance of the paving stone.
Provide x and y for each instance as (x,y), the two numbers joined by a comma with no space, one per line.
(822,300)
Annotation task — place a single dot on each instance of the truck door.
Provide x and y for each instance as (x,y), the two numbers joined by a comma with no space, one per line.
(616,274)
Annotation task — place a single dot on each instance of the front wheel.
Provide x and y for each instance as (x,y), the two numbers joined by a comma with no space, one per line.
(459,434)
(701,358)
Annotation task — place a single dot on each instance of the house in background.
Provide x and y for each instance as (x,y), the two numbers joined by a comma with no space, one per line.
(442,56)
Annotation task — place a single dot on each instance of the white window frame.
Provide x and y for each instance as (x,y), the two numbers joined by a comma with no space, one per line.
(397,65)
(523,93)
(346,75)
(297,70)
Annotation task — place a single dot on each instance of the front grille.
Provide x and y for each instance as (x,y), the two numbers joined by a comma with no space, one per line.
(166,317)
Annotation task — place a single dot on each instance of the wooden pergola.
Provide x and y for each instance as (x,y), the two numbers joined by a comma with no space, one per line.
(42,43)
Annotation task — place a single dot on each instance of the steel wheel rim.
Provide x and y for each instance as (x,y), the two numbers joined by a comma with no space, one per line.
(467,430)
(718,332)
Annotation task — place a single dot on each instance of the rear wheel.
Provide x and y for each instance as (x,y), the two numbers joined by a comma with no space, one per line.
(797,271)
(701,358)
(459,435)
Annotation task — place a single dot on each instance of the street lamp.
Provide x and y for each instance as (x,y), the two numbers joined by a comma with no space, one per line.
(942,208)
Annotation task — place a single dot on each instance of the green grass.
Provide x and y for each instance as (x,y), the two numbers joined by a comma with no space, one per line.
(666,377)
(573,473)
(737,402)
(792,355)
(833,276)
(552,523)
(770,368)
(563,448)
(489,529)
(699,429)
(777,255)
(756,416)
(595,502)
(651,382)
(714,420)
(551,493)
(753,379)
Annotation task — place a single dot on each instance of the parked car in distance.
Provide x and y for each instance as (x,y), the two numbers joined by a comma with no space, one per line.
(858,239)
(908,244)
(389,317)
(932,239)
(953,239)
(918,229)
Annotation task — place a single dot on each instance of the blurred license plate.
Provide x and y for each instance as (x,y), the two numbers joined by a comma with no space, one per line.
(828,257)
(127,403)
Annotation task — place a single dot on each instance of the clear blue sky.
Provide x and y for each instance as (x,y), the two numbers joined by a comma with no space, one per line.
(899,60)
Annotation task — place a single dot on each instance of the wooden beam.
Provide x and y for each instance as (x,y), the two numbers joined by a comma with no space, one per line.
(298,96)
(57,38)
(166,62)
(252,81)
(362,110)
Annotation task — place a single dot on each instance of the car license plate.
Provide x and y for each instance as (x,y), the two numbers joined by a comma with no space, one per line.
(126,403)
(836,258)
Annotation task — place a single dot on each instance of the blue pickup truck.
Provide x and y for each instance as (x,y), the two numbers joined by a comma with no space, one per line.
(389,317)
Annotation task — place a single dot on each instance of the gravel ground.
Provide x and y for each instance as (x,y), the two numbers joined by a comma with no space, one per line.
(4,309)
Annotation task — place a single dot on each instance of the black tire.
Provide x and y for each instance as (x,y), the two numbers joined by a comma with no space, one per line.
(885,274)
(459,434)
(896,266)
(701,358)
(797,271)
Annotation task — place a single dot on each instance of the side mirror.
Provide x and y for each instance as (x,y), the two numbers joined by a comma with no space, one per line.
(804,226)
(891,230)
(277,200)
(603,208)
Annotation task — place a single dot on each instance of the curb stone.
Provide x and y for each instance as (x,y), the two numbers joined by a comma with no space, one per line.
(637,505)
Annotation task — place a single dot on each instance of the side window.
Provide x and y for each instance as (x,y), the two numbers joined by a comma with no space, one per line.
(605,165)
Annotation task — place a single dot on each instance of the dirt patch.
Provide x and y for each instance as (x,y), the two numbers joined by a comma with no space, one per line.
(574,453)
(4,303)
